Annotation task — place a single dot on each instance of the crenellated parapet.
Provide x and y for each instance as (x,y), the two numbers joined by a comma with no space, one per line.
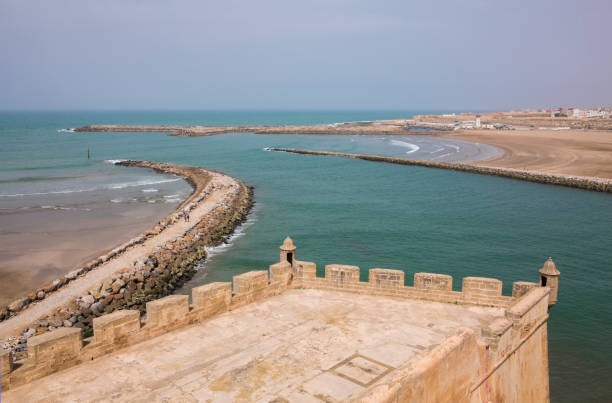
(525,311)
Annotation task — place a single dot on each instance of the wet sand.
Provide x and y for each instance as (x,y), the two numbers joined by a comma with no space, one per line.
(567,152)
(32,254)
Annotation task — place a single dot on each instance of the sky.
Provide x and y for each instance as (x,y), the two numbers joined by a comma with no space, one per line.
(314,54)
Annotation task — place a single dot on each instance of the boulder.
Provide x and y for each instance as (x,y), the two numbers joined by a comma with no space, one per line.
(88,299)
(72,275)
(40,294)
(98,308)
(117,284)
(55,322)
(18,305)
(30,332)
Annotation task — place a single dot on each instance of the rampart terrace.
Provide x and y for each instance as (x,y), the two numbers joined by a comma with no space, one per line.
(287,335)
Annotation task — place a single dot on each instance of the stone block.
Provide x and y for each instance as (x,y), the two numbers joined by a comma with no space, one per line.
(386,278)
(341,276)
(432,281)
(250,282)
(167,310)
(305,270)
(281,272)
(520,288)
(115,326)
(481,287)
(212,298)
(55,348)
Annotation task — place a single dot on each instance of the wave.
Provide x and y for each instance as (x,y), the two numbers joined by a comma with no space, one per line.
(441,156)
(69,130)
(64,208)
(40,179)
(411,146)
(150,190)
(114,162)
(141,183)
(238,232)
(106,187)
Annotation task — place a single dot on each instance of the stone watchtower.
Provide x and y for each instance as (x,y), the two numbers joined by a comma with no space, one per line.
(549,277)
(287,251)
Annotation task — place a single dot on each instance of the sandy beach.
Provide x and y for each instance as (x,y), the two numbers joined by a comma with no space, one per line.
(568,152)
(43,237)
(32,255)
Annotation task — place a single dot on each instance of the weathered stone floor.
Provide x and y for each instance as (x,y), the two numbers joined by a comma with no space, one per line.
(302,346)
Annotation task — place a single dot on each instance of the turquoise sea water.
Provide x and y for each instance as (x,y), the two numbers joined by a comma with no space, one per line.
(369,214)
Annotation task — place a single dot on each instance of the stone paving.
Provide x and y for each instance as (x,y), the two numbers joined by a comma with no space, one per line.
(302,346)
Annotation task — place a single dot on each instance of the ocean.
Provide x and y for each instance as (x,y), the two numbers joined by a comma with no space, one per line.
(340,210)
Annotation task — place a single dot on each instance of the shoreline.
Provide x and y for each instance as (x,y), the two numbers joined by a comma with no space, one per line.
(41,244)
(573,152)
(580,182)
(145,268)
(584,153)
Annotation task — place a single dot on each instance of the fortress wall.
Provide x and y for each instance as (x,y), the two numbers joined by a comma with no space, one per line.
(113,328)
(427,286)
(443,374)
(448,368)
(520,288)
(211,299)
(518,352)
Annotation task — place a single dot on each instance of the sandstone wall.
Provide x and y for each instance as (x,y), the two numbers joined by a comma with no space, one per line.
(506,361)
(444,374)
(427,286)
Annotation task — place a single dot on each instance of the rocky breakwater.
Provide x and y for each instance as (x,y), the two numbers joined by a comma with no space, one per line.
(580,182)
(160,269)
(385,127)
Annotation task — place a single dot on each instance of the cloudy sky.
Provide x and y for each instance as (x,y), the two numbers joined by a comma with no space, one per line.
(315,54)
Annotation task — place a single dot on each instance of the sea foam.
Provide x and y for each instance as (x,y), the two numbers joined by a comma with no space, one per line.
(411,146)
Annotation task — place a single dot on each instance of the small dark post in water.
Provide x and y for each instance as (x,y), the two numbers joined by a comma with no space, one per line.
(88,153)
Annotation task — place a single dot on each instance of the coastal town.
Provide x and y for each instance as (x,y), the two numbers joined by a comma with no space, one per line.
(524,119)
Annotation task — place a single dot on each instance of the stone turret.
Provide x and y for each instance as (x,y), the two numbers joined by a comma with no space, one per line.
(287,251)
(549,277)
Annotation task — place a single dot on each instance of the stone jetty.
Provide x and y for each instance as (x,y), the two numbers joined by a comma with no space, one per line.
(580,182)
(143,269)
(384,127)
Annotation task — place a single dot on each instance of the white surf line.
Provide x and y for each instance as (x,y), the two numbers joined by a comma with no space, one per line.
(413,147)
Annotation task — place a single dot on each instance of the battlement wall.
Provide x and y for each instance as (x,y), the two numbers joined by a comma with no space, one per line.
(524,314)
(427,286)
